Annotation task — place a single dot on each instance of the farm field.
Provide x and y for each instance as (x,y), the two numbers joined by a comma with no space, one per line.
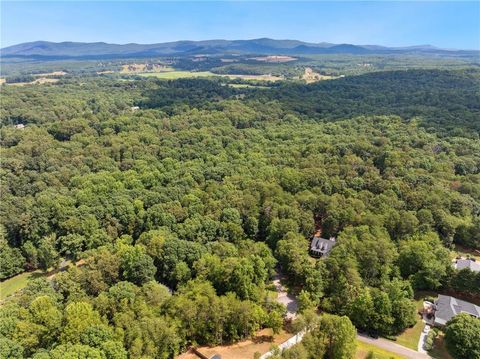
(274,58)
(172,75)
(254,77)
(37,81)
(53,73)
(240,86)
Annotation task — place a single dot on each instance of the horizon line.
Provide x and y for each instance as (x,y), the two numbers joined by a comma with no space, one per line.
(248,39)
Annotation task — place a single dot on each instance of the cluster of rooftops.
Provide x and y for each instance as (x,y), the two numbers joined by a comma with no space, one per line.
(444,308)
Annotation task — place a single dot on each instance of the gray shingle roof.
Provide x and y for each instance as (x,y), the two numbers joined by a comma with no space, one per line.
(322,246)
(447,307)
(467,263)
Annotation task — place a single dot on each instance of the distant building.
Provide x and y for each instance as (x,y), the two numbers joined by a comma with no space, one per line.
(20,126)
(320,247)
(468,263)
(134,108)
(447,307)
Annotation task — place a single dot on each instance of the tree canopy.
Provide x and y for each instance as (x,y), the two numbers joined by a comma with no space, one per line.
(177,214)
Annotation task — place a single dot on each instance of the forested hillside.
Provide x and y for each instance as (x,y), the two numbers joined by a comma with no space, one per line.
(178,212)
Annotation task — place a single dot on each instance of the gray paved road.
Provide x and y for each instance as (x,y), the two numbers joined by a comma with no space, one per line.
(393,347)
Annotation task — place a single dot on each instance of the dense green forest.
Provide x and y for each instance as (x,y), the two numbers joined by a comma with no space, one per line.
(179,212)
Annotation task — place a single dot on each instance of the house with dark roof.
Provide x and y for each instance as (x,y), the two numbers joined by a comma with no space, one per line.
(467,263)
(320,247)
(447,307)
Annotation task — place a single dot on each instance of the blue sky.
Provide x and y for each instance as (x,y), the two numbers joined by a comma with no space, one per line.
(443,24)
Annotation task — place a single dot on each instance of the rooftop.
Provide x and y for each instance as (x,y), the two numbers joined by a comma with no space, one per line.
(469,263)
(447,307)
(321,246)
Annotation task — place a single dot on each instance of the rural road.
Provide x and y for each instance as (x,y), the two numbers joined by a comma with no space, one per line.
(393,347)
(284,298)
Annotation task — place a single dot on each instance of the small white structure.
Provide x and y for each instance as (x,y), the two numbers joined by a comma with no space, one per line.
(287,344)
(467,263)
(134,108)
(20,126)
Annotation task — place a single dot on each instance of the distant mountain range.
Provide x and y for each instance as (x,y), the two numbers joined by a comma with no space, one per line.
(264,46)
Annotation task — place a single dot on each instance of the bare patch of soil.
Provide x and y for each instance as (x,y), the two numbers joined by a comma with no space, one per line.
(262,343)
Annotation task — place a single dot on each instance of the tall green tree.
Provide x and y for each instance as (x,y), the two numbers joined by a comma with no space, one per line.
(461,336)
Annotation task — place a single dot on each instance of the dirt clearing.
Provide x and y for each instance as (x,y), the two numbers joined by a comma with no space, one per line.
(262,343)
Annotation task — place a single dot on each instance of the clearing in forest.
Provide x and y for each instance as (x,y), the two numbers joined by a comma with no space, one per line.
(262,342)
(310,76)
(142,68)
(172,75)
(274,58)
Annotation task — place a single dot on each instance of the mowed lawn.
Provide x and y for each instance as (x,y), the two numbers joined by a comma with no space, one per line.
(439,350)
(364,349)
(20,281)
(172,75)
(409,338)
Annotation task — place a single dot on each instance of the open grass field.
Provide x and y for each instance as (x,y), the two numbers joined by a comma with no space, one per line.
(20,281)
(172,75)
(254,77)
(363,350)
(274,58)
(53,73)
(240,86)
(39,81)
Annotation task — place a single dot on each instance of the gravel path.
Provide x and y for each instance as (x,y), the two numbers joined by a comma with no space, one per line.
(284,298)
